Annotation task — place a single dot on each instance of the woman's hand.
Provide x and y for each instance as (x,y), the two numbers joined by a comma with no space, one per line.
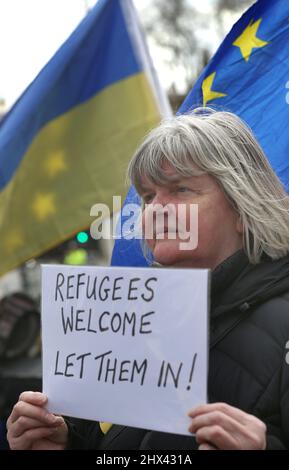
(31,427)
(219,426)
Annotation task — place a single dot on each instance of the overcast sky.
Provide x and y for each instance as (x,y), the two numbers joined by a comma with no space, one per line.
(32,30)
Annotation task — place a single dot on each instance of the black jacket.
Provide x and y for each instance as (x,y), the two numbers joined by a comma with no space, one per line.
(249,329)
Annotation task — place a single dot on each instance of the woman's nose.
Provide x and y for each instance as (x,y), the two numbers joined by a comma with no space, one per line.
(160,198)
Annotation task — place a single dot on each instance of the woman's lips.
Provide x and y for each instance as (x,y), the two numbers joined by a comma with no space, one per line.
(165,233)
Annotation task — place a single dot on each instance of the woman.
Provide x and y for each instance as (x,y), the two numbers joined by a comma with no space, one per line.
(210,159)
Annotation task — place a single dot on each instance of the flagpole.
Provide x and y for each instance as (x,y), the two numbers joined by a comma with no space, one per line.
(86,6)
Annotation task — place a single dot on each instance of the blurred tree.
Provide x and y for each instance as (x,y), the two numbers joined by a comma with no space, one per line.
(233,5)
(172,24)
(223,7)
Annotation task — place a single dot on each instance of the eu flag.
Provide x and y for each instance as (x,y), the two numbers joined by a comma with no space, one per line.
(248,75)
(65,144)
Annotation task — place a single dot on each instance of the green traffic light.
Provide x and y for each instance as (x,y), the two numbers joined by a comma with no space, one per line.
(82,237)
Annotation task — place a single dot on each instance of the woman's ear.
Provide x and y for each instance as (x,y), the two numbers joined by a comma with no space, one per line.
(239,226)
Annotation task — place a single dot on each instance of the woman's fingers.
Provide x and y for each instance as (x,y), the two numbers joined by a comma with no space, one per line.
(227,427)
(217,436)
(234,413)
(23,424)
(23,408)
(215,418)
(26,440)
(31,425)
(206,447)
(35,398)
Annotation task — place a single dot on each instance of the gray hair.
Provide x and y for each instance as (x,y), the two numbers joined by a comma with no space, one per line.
(220,144)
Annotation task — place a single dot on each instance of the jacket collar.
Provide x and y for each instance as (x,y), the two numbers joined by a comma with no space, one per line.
(237,284)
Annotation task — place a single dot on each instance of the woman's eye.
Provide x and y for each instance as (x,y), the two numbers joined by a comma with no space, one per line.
(183,189)
(148,198)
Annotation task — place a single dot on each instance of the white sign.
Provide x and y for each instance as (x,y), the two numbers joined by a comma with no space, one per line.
(125,345)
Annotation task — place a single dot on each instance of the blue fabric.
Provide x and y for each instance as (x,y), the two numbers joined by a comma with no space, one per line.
(77,72)
(257,89)
(128,252)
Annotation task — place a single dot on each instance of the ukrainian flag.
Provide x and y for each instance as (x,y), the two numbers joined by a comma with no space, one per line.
(248,75)
(65,144)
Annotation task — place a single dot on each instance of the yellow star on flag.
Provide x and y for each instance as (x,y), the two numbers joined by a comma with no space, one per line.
(55,164)
(13,241)
(208,93)
(248,40)
(43,206)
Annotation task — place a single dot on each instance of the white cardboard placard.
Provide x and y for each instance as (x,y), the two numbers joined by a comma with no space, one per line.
(125,345)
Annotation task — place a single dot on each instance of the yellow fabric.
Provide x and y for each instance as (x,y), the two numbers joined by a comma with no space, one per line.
(105,427)
(76,161)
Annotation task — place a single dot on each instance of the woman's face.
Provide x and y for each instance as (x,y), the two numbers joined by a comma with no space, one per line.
(219,234)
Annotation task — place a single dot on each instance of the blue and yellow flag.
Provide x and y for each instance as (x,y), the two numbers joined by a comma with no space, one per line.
(248,75)
(65,144)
